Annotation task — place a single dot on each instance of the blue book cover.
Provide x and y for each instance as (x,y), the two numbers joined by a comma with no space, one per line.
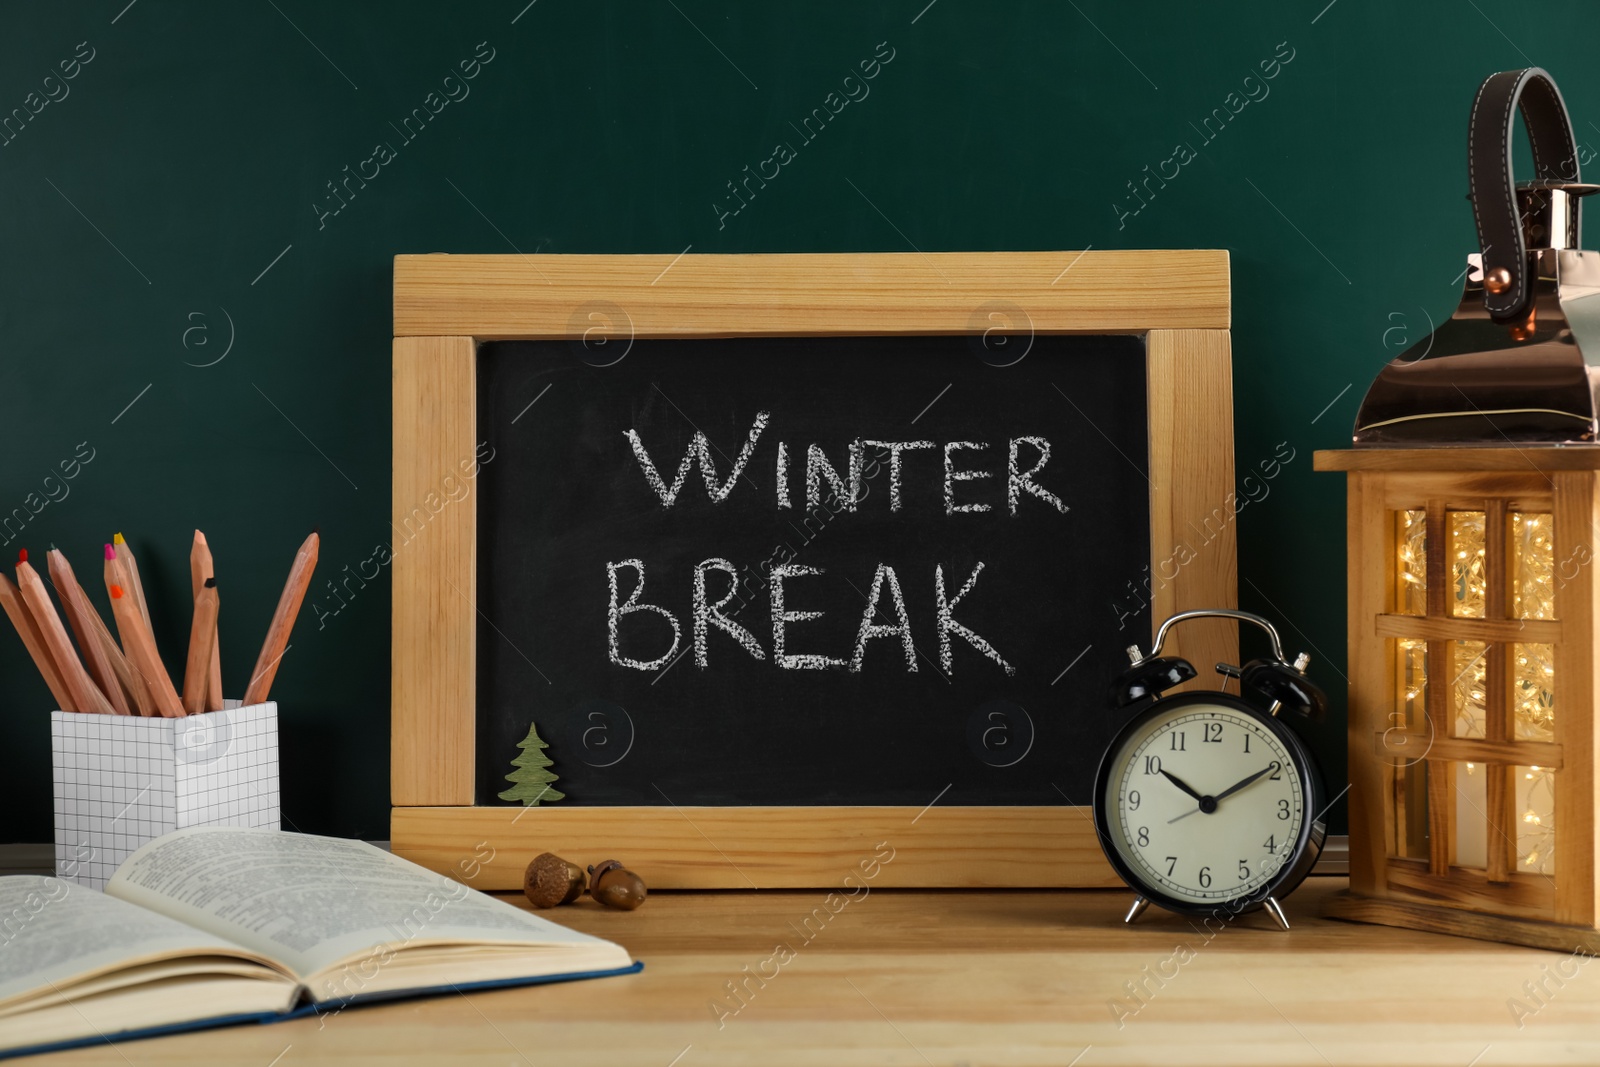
(308,1008)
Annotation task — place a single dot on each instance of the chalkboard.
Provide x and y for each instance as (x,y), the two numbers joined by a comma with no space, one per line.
(593,532)
(642,518)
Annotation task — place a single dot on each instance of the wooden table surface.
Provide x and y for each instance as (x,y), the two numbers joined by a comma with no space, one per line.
(944,977)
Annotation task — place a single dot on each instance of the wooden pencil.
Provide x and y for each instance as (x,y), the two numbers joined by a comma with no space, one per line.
(133,683)
(131,566)
(75,603)
(133,687)
(202,642)
(79,685)
(134,691)
(138,642)
(28,630)
(201,568)
(276,644)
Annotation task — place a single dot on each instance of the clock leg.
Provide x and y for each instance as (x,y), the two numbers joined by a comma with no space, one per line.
(1275,910)
(1136,910)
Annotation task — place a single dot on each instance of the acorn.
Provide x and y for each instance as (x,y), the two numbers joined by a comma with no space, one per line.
(551,880)
(615,886)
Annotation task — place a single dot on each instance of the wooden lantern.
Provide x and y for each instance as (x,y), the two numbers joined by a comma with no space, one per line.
(1473,581)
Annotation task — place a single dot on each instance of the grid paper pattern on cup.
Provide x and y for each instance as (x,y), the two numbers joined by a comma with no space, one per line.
(121,781)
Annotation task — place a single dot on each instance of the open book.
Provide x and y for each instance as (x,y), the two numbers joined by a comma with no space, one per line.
(212,925)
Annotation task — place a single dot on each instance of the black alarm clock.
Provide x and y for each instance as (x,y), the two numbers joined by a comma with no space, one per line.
(1208,803)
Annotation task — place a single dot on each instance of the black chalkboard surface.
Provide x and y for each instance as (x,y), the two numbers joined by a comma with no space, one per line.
(615,481)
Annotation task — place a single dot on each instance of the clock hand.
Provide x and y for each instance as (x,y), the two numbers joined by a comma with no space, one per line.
(1180,783)
(1232,789)
(1203,806)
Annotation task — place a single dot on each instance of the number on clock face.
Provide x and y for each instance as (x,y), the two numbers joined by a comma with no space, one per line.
(1206,803)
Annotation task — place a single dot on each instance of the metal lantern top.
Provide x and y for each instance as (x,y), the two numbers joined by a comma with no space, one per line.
(1519,361)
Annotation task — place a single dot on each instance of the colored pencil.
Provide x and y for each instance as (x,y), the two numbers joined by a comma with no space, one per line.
(135,692)
(131,565)
(202,642)
(133,687)
(137,640)
(28,630)
(79,685)
(75,603)
(201,569)
(276,644)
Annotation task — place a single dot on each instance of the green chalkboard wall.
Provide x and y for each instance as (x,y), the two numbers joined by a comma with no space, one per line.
(168,240)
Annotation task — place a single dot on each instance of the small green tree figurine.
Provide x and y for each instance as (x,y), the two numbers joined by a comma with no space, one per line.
(531,782)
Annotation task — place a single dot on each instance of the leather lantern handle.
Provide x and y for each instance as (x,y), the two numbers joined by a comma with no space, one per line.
(1494,198)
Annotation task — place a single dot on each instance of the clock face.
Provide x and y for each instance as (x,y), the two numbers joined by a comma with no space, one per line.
(1204,803)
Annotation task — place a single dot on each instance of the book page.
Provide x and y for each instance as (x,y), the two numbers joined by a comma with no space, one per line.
(311,902)
(54,933)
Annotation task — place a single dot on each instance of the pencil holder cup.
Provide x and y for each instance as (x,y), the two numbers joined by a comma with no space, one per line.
(122,780)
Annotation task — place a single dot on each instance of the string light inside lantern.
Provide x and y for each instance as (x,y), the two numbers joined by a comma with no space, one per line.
(1532,591)
(1533,594)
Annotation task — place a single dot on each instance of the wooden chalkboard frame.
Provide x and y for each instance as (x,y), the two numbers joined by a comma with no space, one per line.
(445,304)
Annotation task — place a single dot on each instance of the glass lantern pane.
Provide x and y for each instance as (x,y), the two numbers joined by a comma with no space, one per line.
(1411,571)
(1410,785)
(1532,565)
(1469,686)
(1408,769)
(1411,697)
(1465,559)
(1533,701)
(1536,820)
(1472,818)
